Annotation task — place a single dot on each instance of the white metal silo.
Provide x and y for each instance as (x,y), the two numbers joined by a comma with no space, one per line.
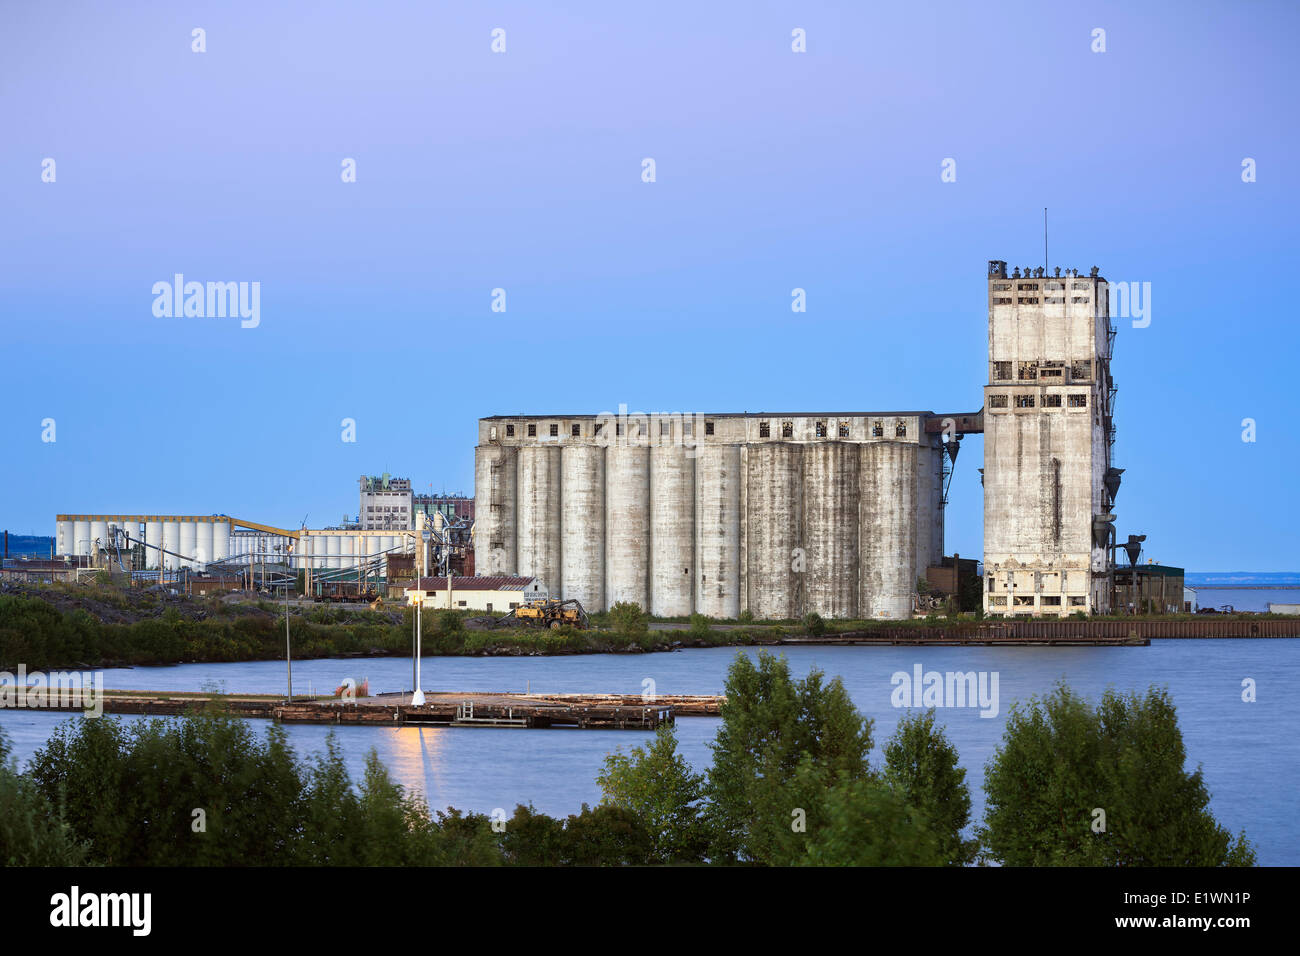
(830,528)
(81,537)
(98,535)
(171,541)
(188,542)
(333,549)
(347,548)
(539,515)
(672,531)
(496,512)
(63,535)
(627,524)
(887,530)
(582,525)
(220,540)
(718,480)
(153,534)
(774,531)
(203,547)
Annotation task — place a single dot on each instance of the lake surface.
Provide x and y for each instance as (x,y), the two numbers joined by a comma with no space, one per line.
(1250,752)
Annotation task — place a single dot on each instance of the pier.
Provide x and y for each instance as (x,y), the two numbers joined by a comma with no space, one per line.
(525,711)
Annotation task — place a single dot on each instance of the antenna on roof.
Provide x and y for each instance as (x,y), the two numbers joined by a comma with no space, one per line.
(1045,241)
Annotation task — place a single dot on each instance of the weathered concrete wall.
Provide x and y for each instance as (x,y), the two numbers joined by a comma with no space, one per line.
(1045,446)
(716,514)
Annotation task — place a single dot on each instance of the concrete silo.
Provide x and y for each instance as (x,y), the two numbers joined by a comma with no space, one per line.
(627,524)
(582,525)
(830,526)
(717,530)
(672,531)
(887,529)
(775,545)
(539,515)
(64,532)
(495,512)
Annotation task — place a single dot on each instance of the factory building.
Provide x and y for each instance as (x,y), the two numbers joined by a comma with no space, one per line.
(777,514)
(385,503)
(1049,485)
(192,542)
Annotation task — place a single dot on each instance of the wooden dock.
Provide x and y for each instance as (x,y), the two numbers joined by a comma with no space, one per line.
(581,711)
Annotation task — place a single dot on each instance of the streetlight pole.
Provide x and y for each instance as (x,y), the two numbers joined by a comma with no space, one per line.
(288,661)
(417,697)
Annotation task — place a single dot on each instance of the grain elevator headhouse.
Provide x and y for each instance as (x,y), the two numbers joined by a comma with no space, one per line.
(1049,485)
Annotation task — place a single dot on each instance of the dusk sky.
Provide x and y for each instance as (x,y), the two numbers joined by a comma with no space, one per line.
(522,171)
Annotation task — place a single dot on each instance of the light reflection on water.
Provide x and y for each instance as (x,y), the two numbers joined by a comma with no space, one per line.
(1250,752)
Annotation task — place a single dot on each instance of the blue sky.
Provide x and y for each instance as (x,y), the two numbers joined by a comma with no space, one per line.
(522,171)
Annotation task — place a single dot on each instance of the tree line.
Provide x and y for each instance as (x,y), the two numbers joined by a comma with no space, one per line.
(791,783)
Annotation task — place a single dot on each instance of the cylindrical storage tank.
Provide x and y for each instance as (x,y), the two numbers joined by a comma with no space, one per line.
(347,548)
(81,537)
(718,481)
(929,502)
(63,537)
(98,536)
(582,524)
(830,528)
(189,539)
(153,534)
(887,530)
(220,540)
(774,531)
(171,541)
(333,548)
(203,551)
(672,531)
(495,512)
(539,516)
(627,525)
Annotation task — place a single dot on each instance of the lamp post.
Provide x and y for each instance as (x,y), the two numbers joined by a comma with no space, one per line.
(417,697)
(288,658)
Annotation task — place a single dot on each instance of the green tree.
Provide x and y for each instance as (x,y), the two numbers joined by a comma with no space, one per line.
(657,786)
(921,767)
(607,836)
(32,830)
(868,824)
(1065,768)
(628,619)
(782,745)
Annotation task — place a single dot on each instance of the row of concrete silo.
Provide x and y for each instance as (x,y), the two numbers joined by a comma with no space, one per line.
(776,528)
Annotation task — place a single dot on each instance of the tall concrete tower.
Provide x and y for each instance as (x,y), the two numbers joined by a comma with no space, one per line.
(1049,485)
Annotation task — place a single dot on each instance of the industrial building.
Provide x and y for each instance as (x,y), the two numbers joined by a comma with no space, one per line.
(838,513)
(1049,485)
(778,514)
(192,542)
(386,503)
(494,594)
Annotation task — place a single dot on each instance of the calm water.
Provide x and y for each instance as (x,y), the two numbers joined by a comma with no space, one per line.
(1246,599)
(1250,752)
